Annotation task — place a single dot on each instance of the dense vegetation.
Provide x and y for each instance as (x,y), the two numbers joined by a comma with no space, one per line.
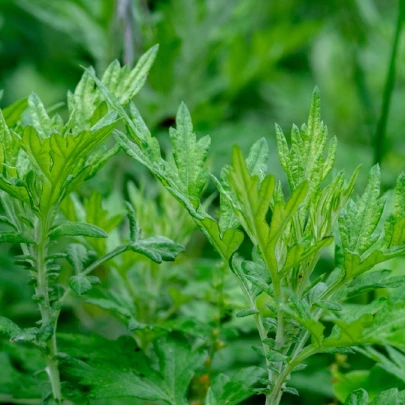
(143,263)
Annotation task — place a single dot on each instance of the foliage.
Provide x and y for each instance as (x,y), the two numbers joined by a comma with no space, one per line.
(293,286)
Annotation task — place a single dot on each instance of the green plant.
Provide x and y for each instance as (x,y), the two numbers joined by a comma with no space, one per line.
(272,246)
(44,160)
(287,237)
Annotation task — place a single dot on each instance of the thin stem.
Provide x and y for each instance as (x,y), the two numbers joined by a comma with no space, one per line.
(259,325)
(277,391)
(117,251)
(47,313)
(381,129)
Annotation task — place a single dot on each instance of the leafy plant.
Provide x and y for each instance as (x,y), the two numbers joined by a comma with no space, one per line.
(44,160)
(287,237)
(271,244)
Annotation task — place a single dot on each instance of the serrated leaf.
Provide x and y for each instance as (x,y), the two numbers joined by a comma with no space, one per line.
(39,117)
(358,222)
(258,157)
(80,284)
(115,369)
(124,83)
(358,397)
(157,249)
(8,327)
(234,389)
(76,255)
(275,356)
(305,161)
(189,155)
(68,228)
(59,159)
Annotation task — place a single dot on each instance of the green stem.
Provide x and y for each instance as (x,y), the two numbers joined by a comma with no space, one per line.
(381,129)
(47,312)
(259,324)
(277,391)
(117,251)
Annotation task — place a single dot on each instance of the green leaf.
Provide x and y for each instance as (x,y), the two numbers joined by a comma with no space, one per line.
(392,396)
(299,252)
(8,327)
(372,281)
(68,228)
(133,224)
(189,155)
(358,397)
(124,83)
(247,312)
(283,212)
(76,255)
(358,222)
(258,157)
(81,284)
(115,369)
(177,364)
(291,390)
(12,113)
(227,243)
(395,223)
(254,197)
(16,237)
(305,160)
(234,389)
(60,159)
(39,117)
(157,249)
(275,356)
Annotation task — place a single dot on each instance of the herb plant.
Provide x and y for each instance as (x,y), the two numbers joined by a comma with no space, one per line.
(287,238)
(270,239)
(43,161)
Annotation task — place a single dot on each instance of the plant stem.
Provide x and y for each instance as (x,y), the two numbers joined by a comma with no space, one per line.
(47,313)
(381,129)
(259,323)
(277,392)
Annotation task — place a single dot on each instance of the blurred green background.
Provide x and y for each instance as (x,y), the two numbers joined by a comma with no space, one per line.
(240,66)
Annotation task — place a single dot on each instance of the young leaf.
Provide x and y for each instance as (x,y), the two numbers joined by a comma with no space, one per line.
(247,312)
(16,237)
(76,255)
(82,284)
(68,228)
(234,389)
(8,327)
(358,222)
(189,155)
(157,249)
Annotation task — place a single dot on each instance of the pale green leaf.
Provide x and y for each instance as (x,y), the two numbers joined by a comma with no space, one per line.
(189,155)
(157,249)
(68,228)
(80,284)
